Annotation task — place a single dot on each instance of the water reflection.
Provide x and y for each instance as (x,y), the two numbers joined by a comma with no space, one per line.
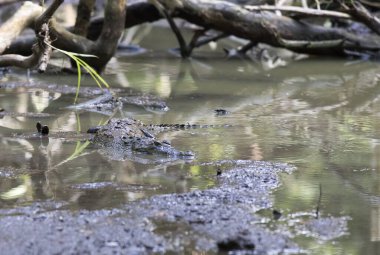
(320,115)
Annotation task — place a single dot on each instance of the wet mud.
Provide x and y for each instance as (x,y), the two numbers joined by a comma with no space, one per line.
(94,99)
(219,219)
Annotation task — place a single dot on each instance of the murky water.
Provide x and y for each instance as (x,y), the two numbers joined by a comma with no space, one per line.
(321,115)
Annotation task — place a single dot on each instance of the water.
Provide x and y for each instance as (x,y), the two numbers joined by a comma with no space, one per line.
(320,115)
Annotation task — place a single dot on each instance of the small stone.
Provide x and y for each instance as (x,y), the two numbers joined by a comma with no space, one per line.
(276,214)
(221,111)
(166,142)
(112,244)
(45,130)
(39,127)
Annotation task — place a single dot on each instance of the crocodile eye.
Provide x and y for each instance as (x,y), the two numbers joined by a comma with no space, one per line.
(157,143)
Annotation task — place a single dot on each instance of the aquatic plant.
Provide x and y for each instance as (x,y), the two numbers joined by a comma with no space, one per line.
(80,63)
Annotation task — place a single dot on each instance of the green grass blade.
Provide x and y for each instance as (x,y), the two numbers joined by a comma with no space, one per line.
(91,70)
(81,63)
(78,84)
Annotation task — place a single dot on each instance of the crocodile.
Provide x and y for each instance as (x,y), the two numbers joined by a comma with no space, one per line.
(123,138)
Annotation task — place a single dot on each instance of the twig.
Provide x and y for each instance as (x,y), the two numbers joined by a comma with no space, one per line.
(371,4)
(44,41)
(299,10)
(247,47)
(319,202)
(48,13)
(207,40)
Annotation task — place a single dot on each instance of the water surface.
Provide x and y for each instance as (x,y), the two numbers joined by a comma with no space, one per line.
(320,115)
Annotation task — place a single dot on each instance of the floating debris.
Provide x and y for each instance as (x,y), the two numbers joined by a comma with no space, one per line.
(43,130)
(221,112)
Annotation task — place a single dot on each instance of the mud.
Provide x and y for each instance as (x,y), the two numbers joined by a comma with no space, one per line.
(219,219)
(57,88)
(25,114)
(125,96)
(324,229)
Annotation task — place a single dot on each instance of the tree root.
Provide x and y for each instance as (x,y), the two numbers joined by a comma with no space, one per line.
(30,15)
(257,24)
(269,28)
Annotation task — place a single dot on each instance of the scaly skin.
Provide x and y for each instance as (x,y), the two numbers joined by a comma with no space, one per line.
(132,135)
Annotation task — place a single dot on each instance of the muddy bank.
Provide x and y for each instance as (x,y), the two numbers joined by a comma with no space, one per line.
(217,219)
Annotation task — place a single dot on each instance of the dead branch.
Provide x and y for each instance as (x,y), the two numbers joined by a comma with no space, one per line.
(85,7)
(21,61)
(44,43)
(47,14)
(269,28)
(43,34)
(360,13)
(112,30)
(139,12)
(371,4)
(22,19)
(257,24)
(300,11)
(40,51)
(104,47)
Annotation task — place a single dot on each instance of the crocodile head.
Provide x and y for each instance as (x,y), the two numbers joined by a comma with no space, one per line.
(123,137)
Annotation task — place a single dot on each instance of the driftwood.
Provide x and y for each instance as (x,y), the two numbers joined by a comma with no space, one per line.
(269,28)
(22,19)
(30,14)
(104,47)
(257,24)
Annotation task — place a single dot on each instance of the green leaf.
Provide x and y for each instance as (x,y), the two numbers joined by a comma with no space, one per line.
(81,63)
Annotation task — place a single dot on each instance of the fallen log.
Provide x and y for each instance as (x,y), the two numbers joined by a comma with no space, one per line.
(256,24)
(104,47)
(267,27)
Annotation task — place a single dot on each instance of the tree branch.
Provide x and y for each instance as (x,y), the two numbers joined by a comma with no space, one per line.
(40,51)
(82,22)
(21,61)
(48,13)
(360,13)
(308,12)
(23,18)
(269,28)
